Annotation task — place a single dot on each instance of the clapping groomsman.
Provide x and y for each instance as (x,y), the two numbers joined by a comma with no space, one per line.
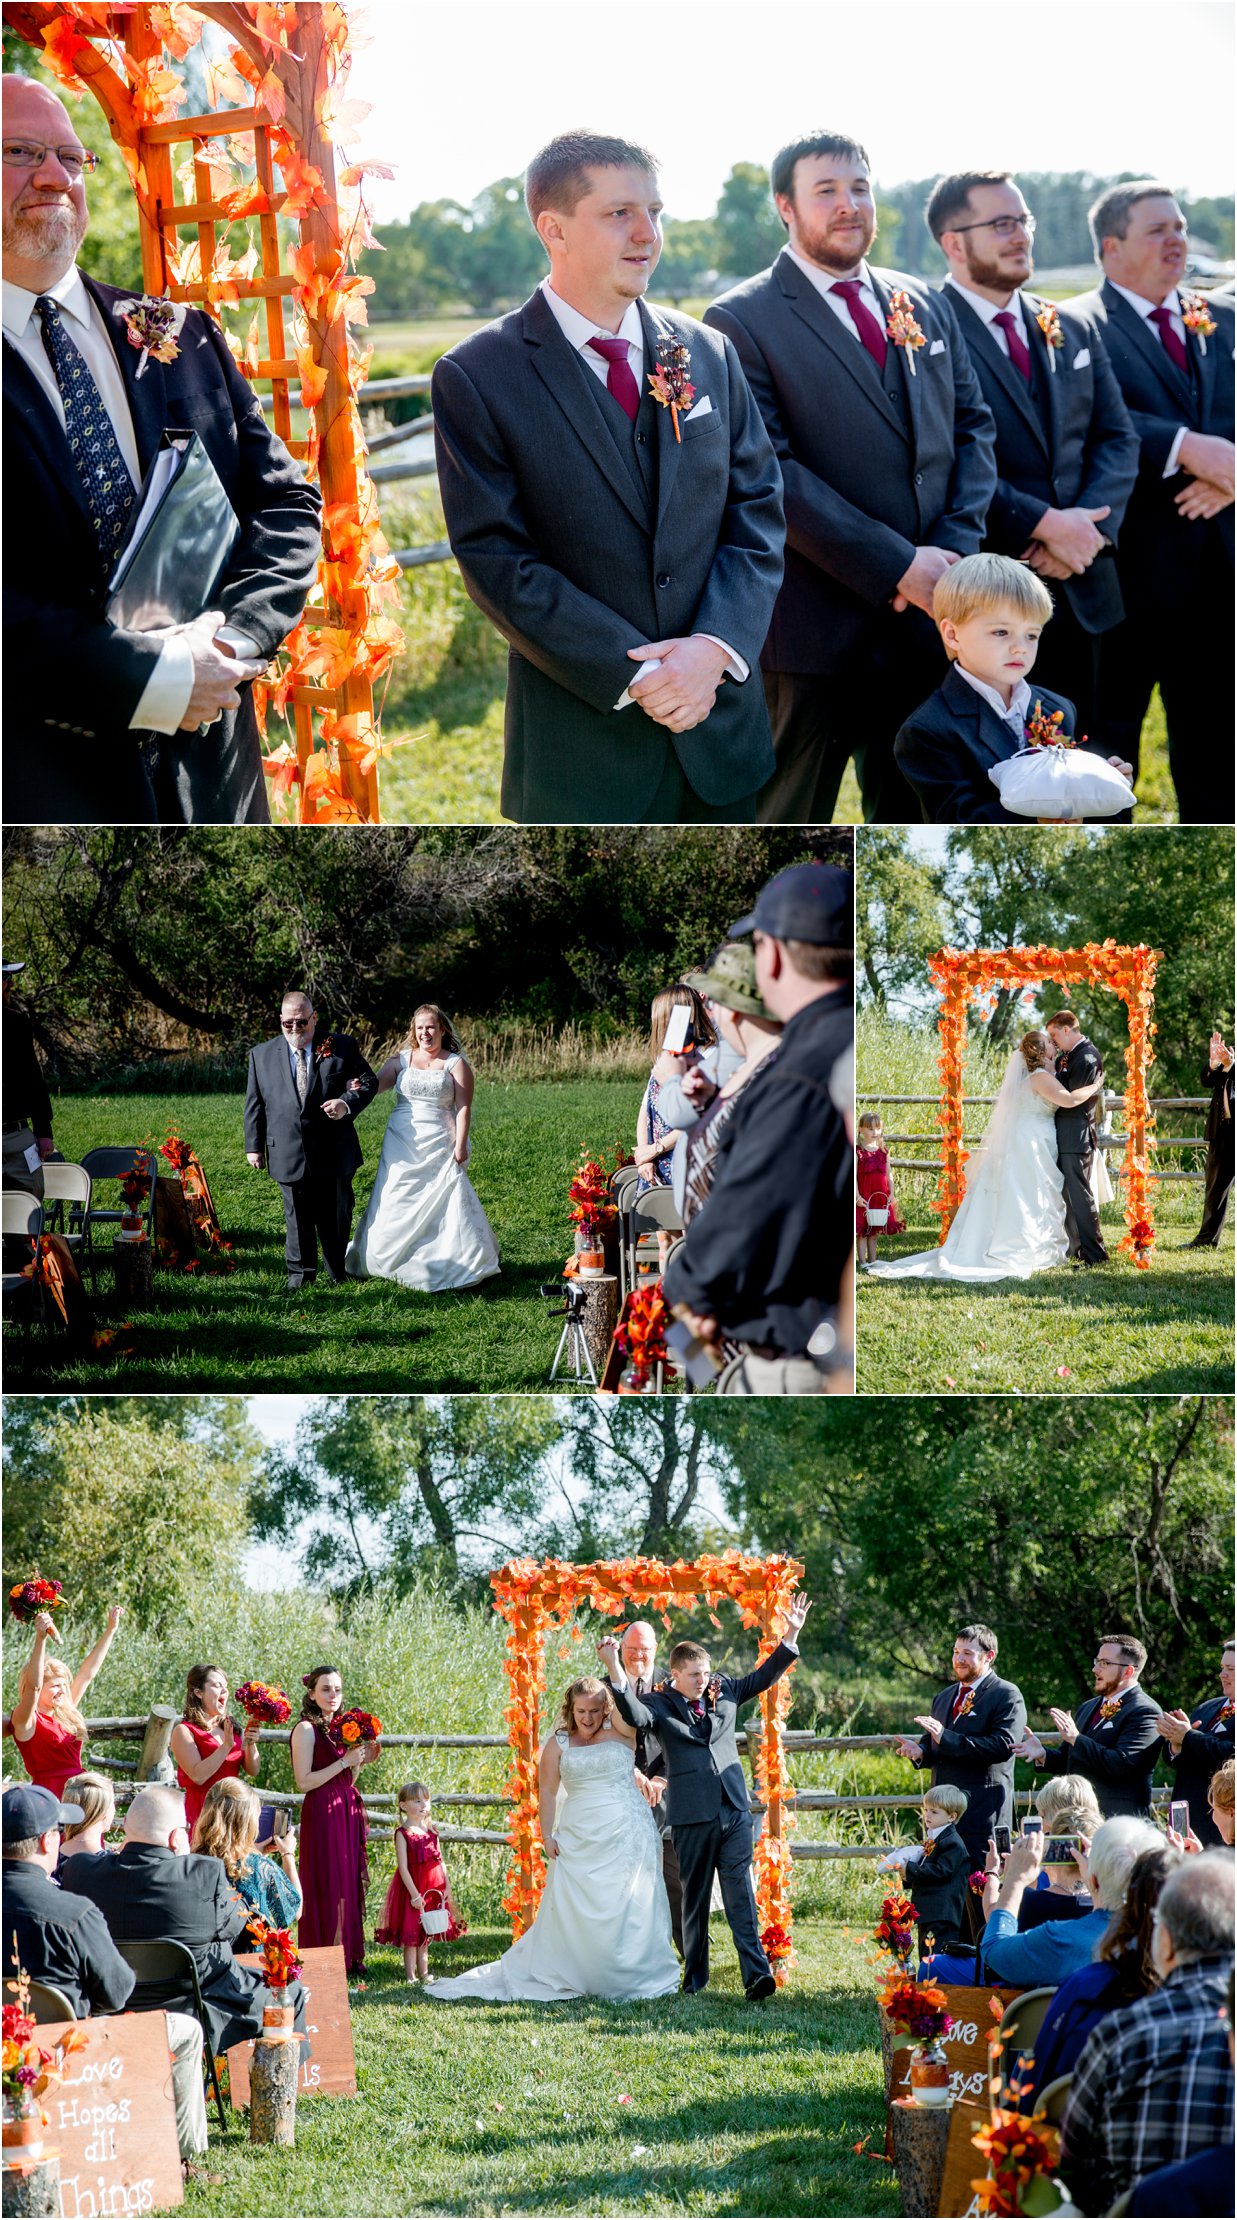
(1113,1738)
(886,447)
(1172,352)
(1196,1744)
(1066,451)
(969,1737)
(1218,1080)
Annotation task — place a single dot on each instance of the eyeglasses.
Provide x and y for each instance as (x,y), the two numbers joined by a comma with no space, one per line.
(20,155)
(1004,226)
(295,1025)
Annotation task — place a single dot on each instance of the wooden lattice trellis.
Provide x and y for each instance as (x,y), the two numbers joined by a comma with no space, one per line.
(295,60)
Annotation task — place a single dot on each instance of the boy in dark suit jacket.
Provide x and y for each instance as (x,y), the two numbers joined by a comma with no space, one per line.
(990,612)
(937,1869)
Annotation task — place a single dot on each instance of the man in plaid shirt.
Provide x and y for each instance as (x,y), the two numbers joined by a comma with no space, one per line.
(1154,2083)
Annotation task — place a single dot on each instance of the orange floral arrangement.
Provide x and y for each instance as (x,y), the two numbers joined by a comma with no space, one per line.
(1019,2151)
(959,974)
(894,1932)
(280,1963)
(187,1165)
(534,1597)
(262,1704)
(33,1595)
(592,1208)
(916,2008)
(358,1726)
(641,1331)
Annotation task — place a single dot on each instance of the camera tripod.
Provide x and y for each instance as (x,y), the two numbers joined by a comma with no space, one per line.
(573,1349)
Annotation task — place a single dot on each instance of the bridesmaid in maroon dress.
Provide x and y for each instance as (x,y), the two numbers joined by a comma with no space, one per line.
(334,1866)
(46,1724)
(207,1745)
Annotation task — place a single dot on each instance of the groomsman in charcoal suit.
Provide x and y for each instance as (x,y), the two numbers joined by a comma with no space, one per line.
(1196,1744)
(638,1654)
(1113,1739)
(103,726)
(624,533)
(1066,451)
(708,1802)
(1077,1063)
(969,1737)
(1172,352)
(1218,1080)
(886,447)
(302,1097)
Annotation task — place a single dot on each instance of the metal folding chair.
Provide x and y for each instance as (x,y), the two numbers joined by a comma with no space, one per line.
(116,1164)
(21,1221)
(174,1961)
(66,1204)
(47,2004)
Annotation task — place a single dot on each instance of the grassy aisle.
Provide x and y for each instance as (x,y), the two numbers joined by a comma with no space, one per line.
(243,1330)
(486,2109)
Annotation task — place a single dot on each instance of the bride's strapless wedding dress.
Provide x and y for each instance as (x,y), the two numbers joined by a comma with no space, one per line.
(424,1225)
(603,1924)
(1011,1221)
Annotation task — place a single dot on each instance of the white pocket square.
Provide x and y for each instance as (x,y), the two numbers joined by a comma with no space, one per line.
(937,347)
(1082,358)
(703,407)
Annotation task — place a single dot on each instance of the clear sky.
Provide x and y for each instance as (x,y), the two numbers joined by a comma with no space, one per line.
(464,93)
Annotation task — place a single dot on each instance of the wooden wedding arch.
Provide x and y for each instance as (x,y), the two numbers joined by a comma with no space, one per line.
(959,974)
(535,1597)
(265,149)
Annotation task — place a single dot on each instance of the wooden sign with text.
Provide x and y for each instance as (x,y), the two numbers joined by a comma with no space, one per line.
(113,2117)
(964,2165)
(966,2046)
(328,2069)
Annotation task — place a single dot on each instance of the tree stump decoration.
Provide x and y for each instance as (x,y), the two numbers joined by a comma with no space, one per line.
(274,2071)
(920,2140)
(31,2190)
(599,1318)
(133,1262)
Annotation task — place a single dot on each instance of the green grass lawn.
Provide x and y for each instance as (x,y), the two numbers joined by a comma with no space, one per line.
(242,1330)
(1113,1330)
(487,2109)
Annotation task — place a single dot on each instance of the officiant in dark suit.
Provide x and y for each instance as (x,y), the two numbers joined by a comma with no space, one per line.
(886,448)
(1217,1078)
(1171,350)
(969,1735)
(1077,1063)
(616,510)
(103,726)
(1113,1739)
(303,1094)
(1066,451)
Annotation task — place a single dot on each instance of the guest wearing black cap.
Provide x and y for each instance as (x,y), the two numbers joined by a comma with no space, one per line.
(27,1110)
(759,1274)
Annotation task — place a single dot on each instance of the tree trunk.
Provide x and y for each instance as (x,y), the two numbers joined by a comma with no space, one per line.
(599,1318)
(134,1267)
(32,2190)
(920,2137)
(155,1764)
(273,2074)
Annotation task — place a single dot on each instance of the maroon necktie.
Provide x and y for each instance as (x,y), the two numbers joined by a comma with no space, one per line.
(1173,347)
(619,379)
(1019,353)
(862,318)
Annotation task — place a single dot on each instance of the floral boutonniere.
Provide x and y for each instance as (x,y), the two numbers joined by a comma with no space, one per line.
(669,382)
(153,327)
(976,1882)
(1197,318)
(1050,324)
(1109,1709)
(967,1704)
(901,327)
(713,1691)
(1044,731)
(1226,1710)
(324,1046)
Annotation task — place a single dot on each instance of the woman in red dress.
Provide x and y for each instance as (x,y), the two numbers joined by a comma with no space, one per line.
(418,1869)
(46,1723)
(207,1745)
(334,1865)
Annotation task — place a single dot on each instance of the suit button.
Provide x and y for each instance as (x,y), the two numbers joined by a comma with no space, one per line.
(663,578)
(640,439)
(893,393)
(919,477)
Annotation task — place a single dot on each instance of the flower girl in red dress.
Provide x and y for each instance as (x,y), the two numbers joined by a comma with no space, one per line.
(419,1872)
(875,1186)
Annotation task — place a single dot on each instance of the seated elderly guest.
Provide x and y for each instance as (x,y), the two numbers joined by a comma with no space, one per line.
(227,1829)
(1154,2084)
(1049,1954)
(1068,1807)
(85,1838)
(61,1938)
(1122,1970)
(1198,2185)
(154,1891)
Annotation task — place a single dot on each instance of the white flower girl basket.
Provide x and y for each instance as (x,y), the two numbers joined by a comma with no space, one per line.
(436,1919)
(876,1210)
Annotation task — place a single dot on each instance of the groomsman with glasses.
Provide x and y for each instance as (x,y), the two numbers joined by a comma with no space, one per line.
(1113,1739)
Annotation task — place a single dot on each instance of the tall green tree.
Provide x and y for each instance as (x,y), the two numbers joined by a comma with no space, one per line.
(750,233)
(899,915)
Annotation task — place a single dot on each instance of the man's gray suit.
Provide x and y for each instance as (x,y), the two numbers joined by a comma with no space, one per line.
(1076,1145)
(582,535)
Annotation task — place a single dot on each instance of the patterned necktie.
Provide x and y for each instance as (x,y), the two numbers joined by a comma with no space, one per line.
(862,318)
(1173,347)
(1019,352)
(302,1075)
(620,380)
(109,490)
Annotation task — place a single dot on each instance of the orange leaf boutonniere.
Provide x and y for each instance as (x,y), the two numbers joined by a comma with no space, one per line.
(153,327)
(901,327)
(1050,324)
(1197,318)
(669,382)
(324,1046)
(1043,731)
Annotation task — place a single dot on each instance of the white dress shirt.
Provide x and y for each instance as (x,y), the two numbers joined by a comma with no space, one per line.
(166,695)
(1143,307)
(1015,717)
(825,283)
(581,333)
(988,311)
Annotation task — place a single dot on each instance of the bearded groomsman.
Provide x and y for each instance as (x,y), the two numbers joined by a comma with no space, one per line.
(886,447)
(1066,451)
(1113,1739)
(1172,352)
(1196,1746)
(969,1737)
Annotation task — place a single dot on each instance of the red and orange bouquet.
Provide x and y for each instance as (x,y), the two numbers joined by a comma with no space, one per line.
(592,1209)
(28,2070)
(31,1596)
(1022,2154)
(641,1331)
(280,1963)
(135,1186)
(894,1931)
(915,2008)
(263,1705)
(358,1726)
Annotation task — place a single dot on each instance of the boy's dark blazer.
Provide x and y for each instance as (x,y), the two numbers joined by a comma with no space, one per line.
(946,749)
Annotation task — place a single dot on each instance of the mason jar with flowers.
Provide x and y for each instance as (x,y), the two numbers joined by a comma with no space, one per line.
(921,2010)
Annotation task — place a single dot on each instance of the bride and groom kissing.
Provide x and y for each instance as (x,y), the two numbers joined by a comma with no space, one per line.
(1038,1177)
(603,1924)
(424,1225)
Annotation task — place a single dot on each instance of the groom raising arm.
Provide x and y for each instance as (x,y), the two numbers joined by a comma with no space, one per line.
(707,1799)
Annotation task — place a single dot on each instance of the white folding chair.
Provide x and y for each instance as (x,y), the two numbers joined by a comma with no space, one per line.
(67,1189)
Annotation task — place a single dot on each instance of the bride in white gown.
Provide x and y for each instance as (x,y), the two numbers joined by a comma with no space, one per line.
(424,1225)
(1011,1220)
(603,1923)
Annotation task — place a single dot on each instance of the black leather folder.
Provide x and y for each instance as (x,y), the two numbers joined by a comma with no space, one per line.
(182,533)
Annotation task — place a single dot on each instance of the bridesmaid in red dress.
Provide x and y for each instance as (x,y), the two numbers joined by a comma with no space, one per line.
(334,1865)
(207,1745)
(46,1723)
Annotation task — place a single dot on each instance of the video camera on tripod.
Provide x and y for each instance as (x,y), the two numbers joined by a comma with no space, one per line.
(573,1341)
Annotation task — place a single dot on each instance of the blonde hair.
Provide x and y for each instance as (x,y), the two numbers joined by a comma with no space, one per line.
(1036,1041)
(63,1709)
(587,1685)
(873,1119)
(1221,1789)
(227,1826)
(1068,1805)
(677,998)
(414,1792)
(981,584)
(947,1798)
(450,1041)
(97,1797)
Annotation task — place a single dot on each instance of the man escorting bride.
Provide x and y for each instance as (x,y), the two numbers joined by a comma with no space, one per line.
(1031,1200)
(424,1225)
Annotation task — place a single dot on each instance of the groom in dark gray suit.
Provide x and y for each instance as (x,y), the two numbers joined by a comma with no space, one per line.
(615,508)
(1077,1065)
(304,1092)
